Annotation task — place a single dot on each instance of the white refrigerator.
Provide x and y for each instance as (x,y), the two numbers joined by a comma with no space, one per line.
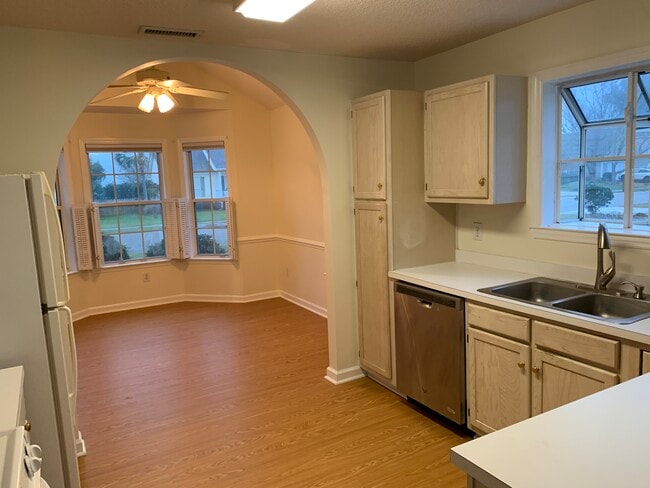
(35,324)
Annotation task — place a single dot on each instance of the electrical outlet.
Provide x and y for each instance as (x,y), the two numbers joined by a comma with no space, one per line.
(477,231)
(146,278)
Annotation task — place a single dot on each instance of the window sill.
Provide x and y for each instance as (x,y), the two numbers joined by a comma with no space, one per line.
(130,264)
(212,259)
(587,235)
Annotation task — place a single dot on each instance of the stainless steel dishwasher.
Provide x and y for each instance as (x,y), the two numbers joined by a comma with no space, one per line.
(430,349)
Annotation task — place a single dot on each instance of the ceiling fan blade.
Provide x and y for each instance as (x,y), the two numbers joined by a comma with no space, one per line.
(200,92)
(171,84)
(119,95)
(123,86)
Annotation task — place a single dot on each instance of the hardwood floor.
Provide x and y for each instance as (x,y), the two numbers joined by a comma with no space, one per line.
(233,395)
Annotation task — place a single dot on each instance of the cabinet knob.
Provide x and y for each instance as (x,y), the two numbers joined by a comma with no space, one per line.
(381,218)
(521,365)
(380,186)
(27,425)
(482,181)
(535,370)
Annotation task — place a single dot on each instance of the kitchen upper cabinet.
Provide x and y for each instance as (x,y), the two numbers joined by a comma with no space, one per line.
(475,141)
(498,382)
(369,149)
(375,351)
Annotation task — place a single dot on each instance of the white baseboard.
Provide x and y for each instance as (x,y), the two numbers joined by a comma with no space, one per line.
(120,307)
(190,297)
(312,307)
(344,375)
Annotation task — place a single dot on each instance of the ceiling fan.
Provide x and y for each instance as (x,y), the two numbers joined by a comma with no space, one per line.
(159,89)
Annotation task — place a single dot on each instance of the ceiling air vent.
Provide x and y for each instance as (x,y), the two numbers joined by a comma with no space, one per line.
(169,32)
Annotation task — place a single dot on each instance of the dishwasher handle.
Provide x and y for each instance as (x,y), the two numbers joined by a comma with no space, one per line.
(426,298)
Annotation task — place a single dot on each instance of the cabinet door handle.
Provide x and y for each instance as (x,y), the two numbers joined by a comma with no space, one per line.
(521,365)
(482,181)
(380,186)
(536,370)
(381,218)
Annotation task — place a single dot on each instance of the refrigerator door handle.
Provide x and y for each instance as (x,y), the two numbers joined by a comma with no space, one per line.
(73,350)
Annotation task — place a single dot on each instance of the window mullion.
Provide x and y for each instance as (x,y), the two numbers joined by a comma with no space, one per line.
(630,125)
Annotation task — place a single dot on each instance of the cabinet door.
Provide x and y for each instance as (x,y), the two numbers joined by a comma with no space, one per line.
(645,368)
(372,288)
(456,142)
(498,381)
(369,148)
(558,381)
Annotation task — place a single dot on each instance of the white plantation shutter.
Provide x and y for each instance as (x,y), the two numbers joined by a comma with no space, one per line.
(170,222)
(97,234)
(184,224)
(177,240)
(232,241)
(82,242)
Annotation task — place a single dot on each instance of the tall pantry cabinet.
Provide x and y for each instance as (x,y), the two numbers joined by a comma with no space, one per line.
(394,227)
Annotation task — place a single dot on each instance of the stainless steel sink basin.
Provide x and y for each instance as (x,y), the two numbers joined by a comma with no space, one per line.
(537,291)
(574,298)
(612,308)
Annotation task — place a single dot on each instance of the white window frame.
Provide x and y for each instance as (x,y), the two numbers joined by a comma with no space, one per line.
(184,145)
(118,145)
(543,114)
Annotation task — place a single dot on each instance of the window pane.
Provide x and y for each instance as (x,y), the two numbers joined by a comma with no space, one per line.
(203,214)
(217,159)
(643,96)
(570,142)
(149,186)
(603,198)
(111,247)
(132,246)
(103,188)
(199,161)
(146,162)
(154,244)
(126,188)
(603,100)
(204,241)
(108,219)
(641,203)
(221,240)
(124,162)
(201,185)
(605,140)
(219,186)
(101,163)
(152,217)
(642,144)
(569,190)
(129,216)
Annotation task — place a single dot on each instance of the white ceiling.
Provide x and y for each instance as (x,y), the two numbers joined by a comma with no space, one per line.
(406,30)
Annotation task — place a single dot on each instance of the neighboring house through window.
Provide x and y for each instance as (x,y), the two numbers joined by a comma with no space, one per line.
(210,203)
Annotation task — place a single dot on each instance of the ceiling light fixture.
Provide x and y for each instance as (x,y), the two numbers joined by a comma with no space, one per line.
(271,10)
(162,99)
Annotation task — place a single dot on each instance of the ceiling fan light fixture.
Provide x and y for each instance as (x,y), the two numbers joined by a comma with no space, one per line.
(165,102)
(147,102)
(271,10)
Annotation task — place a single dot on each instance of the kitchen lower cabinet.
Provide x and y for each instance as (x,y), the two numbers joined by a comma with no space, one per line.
(498,386)
(645,362)
(557,380)
(372,288)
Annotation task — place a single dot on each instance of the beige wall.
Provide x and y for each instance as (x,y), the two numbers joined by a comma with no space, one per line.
(275,183)
(53,75)
(299,204)
(591,30)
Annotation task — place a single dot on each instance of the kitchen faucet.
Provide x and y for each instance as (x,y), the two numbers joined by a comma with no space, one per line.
(604,276)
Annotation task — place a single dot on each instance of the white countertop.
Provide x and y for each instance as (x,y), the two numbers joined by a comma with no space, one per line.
(464,279)
(600,441)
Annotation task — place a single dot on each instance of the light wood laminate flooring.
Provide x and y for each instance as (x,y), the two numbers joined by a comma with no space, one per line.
(233,395)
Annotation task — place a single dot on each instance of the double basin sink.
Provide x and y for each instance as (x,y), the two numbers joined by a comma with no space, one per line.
(574,298)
